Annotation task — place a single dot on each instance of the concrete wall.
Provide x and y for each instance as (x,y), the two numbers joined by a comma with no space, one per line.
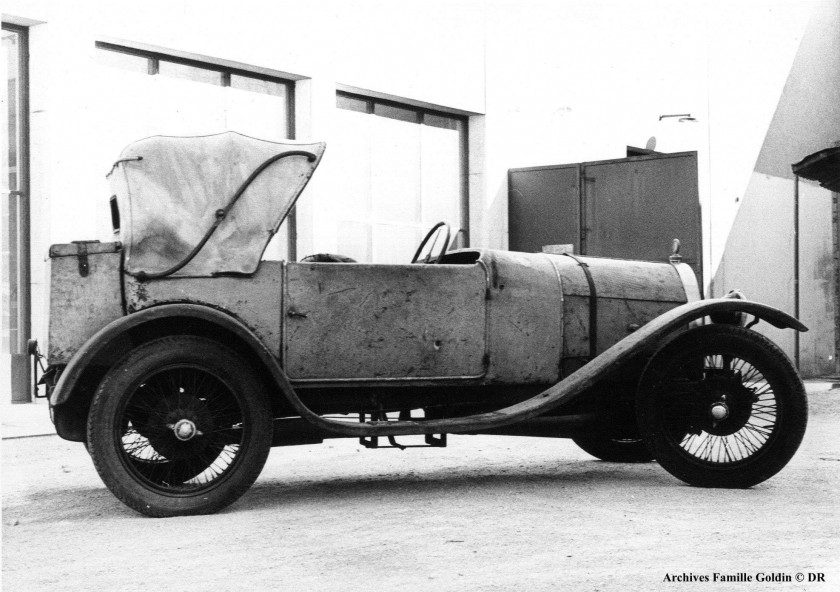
(759,261)
(758,256)
(546,82)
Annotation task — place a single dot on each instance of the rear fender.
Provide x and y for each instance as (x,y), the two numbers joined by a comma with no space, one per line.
(70,399)
(97,346)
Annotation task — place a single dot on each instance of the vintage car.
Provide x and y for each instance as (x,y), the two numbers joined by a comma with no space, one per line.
(179,357)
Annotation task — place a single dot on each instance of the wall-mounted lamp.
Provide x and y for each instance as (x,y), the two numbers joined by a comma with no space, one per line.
(682,117)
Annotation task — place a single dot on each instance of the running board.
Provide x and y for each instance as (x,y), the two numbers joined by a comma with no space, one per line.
(565,391)
(292,431)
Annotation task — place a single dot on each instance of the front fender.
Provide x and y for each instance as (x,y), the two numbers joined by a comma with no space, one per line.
(774,316)
(100,342)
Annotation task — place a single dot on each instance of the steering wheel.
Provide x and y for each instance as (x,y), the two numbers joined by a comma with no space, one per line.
(441,229)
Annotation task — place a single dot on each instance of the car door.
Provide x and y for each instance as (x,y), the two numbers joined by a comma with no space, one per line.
(384,323)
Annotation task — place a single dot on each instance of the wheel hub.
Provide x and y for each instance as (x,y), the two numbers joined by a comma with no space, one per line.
(182,420)
(728,404)
(184,430)
(719,411)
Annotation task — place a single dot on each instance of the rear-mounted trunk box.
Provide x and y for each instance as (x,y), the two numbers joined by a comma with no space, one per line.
(85,294)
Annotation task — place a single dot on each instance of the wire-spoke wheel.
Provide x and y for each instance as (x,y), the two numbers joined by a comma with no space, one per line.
(179,426)
(722,406)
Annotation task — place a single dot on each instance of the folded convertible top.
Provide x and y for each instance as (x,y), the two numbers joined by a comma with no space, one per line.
(202,206)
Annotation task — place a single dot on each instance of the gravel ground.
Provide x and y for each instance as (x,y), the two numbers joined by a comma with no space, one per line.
(486,513)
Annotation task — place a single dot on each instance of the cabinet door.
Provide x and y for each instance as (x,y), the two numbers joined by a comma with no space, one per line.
(544,208)
(635,207)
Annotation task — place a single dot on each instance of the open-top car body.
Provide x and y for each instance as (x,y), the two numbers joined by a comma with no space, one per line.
(179,357)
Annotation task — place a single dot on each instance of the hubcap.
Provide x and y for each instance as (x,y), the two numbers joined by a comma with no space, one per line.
(184,430)
(720,411)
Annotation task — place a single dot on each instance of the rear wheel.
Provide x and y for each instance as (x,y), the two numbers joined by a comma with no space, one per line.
(179,426)
(722,406)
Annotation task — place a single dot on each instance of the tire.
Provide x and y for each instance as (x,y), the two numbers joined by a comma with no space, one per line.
(180,426)
(621,450)
(721,406)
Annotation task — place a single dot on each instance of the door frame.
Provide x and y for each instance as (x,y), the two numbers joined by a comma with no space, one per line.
(21,389)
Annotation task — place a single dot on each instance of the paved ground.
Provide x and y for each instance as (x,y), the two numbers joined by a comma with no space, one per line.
(487,513)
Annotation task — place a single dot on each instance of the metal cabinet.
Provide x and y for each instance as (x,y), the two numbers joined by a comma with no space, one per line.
(630,208)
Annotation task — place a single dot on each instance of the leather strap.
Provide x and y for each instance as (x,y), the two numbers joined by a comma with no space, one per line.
(593,307)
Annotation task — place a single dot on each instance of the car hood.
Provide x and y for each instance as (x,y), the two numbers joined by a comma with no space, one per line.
(169,192)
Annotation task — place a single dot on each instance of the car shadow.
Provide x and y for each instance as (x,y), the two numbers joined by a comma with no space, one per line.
(570,478)
(397,486)
(57,505)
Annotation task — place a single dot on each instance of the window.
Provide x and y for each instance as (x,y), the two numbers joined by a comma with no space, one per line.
(155,63)
(399,169)
(143,93)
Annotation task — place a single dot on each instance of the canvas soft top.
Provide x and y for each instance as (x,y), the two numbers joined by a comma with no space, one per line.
(206,205)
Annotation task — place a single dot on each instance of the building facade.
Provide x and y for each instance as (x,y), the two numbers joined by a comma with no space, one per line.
(424,108)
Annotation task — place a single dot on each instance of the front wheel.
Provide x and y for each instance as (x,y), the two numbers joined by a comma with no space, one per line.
(179,426)
(721,406)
